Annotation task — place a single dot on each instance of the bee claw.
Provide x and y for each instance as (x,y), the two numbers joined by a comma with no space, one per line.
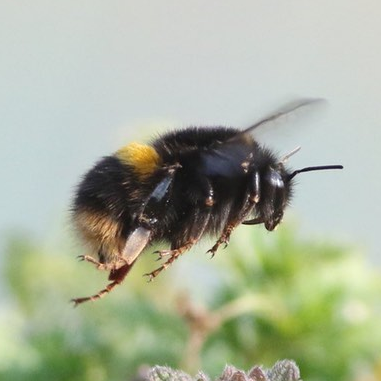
(77,301)
(150,277)
(159,255)
(162,253)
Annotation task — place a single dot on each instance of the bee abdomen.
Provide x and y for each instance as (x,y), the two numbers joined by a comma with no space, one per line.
(101,232)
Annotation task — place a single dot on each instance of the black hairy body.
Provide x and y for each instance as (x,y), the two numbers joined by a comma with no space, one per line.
(185,184)
(207,173)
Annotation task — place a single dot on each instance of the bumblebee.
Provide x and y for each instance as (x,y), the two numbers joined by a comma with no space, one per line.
(182,186)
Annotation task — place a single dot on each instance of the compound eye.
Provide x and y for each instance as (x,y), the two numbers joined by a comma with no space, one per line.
(277,193)
(275,179)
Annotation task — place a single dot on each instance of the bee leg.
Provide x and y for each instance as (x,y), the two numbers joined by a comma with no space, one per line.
(173,255)
(98,265)
(117,276)
(97,296)
(199,222)
(251,198)
(224,238)
(229,227)
(134,245)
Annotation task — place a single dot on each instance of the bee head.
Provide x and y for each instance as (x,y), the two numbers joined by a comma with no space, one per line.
(272,190)
(275,194)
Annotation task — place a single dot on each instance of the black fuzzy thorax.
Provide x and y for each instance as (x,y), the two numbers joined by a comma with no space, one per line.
(176,143)
(213,155)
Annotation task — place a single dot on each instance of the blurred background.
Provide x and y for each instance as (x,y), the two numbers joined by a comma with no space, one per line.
(80,79)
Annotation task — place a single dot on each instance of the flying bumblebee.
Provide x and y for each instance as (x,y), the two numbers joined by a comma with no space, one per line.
(185,184)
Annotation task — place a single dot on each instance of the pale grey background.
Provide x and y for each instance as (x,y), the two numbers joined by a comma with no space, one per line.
(80,78)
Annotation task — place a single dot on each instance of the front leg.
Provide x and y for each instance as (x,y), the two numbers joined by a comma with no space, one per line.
(251,198)
(224,239)
(230,226)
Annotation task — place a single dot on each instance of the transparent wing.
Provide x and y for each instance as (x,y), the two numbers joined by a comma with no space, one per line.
(293,109)
(292,125)
(227,158)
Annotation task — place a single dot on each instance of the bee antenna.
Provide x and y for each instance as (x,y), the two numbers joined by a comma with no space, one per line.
(285,158)
(317,168)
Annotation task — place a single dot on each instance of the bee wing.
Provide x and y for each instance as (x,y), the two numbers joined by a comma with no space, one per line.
(285,111)
(280,128)
(228,158)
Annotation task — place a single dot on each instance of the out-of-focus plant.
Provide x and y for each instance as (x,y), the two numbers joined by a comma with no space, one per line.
(275,296)
(105,340)
(284,370)
(284,297)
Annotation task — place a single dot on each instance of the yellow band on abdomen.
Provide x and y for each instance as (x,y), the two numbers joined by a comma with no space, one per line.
(143,158)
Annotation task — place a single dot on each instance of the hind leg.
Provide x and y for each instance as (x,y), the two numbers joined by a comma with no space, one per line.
(99,265)
(133,247)
(117,277)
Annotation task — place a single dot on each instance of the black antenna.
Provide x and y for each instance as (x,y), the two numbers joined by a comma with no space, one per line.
(317,168)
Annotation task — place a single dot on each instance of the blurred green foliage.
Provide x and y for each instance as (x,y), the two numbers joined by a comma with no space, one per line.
(265,298)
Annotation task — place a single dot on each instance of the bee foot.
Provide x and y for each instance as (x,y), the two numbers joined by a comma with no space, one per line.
(97,296)
(223,240)
(153,274)
(102,266)
(212,252)
(88,258)
(173,254)
(163,253)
